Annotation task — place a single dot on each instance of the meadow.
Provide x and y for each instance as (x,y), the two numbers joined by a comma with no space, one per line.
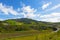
(34,35)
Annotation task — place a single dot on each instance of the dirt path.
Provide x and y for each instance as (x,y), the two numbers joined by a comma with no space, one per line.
(57,30)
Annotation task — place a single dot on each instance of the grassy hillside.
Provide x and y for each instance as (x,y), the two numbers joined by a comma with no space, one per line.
(28,29)
(25,24)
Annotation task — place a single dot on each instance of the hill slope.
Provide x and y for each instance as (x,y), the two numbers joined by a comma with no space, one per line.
(25,24)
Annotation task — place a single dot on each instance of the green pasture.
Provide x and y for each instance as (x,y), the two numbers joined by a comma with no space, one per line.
(44,35)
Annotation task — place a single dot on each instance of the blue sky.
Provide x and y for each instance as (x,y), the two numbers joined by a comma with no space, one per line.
(41,10)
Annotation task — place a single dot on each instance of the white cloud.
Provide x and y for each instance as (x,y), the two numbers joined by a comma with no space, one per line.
(28,9)
(25,11)
(28,12)
(52,20)
(7,9)
(45,5)
(53,17)
(54,7)
(31,15)
(3,9)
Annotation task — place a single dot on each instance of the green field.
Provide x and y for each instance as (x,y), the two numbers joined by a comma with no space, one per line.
(32,35)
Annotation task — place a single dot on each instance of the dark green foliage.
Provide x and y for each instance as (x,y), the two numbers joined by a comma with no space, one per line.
(25,24)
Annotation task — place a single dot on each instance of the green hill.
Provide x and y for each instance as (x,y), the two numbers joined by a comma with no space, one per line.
(25,24)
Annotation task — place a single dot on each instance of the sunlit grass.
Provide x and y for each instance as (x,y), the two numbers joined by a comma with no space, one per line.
(45,35)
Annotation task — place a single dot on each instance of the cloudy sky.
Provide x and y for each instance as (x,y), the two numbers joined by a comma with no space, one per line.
(41,10)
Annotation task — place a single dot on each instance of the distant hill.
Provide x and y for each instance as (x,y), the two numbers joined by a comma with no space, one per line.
(25,20)
(24,24)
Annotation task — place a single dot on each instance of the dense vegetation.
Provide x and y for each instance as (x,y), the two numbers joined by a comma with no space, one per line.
(28,29)
(25,24)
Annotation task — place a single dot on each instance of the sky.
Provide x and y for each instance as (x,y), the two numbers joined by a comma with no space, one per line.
(40,10)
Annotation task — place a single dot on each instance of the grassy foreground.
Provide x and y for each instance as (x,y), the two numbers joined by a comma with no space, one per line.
(45,35)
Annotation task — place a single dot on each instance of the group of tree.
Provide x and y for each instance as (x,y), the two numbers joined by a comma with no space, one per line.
(25,24)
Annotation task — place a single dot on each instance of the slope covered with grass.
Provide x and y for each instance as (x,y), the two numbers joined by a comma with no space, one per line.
(44,35)
(28,29)
(25,24)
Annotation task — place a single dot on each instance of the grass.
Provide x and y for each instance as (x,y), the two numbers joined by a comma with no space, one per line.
(23,38)
(44,35)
